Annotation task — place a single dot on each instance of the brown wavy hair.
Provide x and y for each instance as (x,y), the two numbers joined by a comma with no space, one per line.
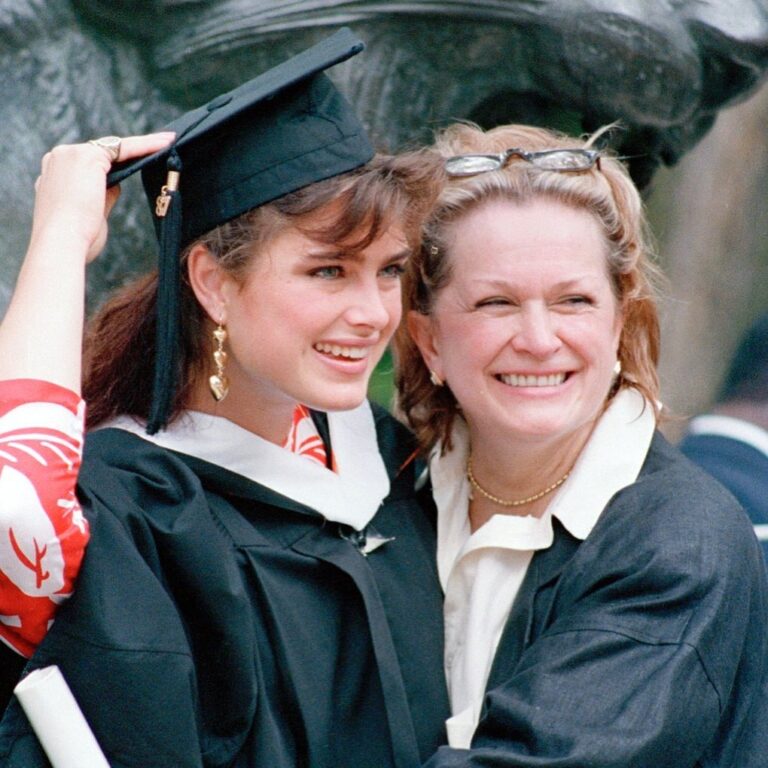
(607,193)
(120,338)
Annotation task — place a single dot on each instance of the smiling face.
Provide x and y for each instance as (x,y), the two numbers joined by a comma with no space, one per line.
(527,329)
(307,324)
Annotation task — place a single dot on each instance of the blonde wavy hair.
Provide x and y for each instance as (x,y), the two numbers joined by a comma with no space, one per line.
(606,192)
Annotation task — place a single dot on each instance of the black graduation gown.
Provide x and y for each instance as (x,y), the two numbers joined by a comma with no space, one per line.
(11,666)
(216,622)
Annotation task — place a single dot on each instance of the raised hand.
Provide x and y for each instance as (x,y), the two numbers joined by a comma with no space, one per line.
(72,201)
(41,334)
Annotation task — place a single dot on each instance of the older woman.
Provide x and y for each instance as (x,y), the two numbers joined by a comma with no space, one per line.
(605,601)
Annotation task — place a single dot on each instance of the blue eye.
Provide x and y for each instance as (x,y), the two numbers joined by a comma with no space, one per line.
(328,273)
(393,270)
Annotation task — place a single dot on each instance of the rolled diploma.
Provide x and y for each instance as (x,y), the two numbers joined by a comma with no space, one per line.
(58,721)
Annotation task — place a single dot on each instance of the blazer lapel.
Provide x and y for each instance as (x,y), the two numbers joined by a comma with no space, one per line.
(532,605)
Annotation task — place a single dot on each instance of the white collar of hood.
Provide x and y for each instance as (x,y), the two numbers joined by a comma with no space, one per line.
(351,496)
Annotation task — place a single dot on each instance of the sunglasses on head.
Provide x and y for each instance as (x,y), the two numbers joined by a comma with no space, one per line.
(560,160)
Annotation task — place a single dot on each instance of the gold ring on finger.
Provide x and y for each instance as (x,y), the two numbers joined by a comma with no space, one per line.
(111,144)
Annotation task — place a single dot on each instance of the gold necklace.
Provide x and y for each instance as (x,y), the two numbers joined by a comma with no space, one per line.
(512,502)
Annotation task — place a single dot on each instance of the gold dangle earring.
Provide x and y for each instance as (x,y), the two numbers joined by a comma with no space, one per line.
(218,383)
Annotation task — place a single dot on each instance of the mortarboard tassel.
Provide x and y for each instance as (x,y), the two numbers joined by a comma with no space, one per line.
(168,210)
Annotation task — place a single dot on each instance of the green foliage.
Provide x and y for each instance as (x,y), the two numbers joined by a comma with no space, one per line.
(382,387)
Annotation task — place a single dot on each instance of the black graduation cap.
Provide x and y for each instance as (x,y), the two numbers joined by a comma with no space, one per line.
(285,129)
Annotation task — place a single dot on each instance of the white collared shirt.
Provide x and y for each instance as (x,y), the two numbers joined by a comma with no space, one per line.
(351,495)
(481,572)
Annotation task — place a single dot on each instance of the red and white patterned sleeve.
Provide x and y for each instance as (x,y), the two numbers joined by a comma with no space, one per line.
(43,533)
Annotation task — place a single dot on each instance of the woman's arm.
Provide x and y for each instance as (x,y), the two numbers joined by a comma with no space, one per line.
(41,334)
(42,530)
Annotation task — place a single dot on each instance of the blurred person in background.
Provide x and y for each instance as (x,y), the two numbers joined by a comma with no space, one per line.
(731,442)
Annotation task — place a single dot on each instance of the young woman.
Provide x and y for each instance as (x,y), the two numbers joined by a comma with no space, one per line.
(605,601)
(257,555)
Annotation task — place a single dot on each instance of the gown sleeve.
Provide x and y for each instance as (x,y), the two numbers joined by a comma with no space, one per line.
(43,533)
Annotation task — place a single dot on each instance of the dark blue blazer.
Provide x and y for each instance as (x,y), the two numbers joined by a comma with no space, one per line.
(644,646)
